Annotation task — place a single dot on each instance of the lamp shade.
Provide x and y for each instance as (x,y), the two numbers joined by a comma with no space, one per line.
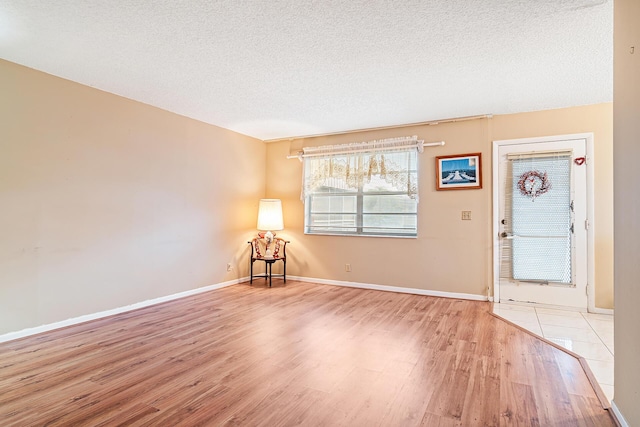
(270,215)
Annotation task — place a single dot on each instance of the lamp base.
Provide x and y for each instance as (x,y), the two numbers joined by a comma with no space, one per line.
(268,236)
(262,234)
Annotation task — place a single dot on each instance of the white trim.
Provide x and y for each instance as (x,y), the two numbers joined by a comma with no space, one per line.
(386,288)
(495,236)
(591,215)
(88,317)
(94,316)
(618,415)
(591,268)
(596,310)
(405,125)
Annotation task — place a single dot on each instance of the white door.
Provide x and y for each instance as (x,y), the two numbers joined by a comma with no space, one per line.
(540,221)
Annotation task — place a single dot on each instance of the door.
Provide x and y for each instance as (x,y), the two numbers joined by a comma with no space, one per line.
(540,221)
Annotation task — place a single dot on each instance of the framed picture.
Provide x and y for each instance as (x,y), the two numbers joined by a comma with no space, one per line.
(459,172)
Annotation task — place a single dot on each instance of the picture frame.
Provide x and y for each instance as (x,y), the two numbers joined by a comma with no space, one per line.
(459,172)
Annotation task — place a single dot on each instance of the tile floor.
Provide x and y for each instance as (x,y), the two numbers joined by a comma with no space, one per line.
(589,335)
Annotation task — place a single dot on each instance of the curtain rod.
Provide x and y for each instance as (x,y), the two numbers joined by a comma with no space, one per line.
(430,122)
(419,145)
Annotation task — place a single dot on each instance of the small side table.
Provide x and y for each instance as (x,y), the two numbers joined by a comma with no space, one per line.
(279,254)
(267,268)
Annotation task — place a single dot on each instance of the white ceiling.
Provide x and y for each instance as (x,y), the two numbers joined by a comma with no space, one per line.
(283,68)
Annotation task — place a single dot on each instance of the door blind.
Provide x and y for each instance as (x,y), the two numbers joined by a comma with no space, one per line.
(538,218)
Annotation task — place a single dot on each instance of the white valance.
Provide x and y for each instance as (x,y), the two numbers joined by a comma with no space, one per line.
(388,165)
(405,142)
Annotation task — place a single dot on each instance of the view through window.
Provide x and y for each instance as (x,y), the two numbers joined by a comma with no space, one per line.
(366,193)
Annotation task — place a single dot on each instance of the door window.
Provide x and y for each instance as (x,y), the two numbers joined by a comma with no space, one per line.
(541,217)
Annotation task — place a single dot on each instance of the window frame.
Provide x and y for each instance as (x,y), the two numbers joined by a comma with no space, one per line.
(359,214)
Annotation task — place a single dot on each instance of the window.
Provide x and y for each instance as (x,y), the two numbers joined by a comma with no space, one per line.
(362,189)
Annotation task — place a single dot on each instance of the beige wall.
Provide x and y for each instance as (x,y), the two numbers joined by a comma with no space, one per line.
(627,208)
(422,263)
(106,202)
(426,262)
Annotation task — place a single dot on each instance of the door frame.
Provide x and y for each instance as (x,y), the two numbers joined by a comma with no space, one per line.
(588,137)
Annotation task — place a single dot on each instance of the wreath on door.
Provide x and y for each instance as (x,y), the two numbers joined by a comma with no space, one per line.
(533,184)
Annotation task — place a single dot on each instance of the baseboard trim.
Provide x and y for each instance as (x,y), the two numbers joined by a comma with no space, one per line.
(386,288)
(10,336)
(597,310)
(94,316)
(618,415)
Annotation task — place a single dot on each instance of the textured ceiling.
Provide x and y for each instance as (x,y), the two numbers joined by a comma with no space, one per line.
(283,68)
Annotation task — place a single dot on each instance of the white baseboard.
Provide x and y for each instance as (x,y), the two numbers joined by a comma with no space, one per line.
(597,310)
(618,415)
(87,317)
(386,288)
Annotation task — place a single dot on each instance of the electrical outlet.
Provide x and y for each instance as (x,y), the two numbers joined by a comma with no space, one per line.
(466,215)
(229,267)
(347,268)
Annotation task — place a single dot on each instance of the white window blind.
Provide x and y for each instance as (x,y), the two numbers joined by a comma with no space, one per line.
(362,189)
(538,218)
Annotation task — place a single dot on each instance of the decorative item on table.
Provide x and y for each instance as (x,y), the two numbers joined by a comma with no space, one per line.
(269,220)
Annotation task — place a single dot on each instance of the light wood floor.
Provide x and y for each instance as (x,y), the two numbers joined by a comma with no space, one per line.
(300,354)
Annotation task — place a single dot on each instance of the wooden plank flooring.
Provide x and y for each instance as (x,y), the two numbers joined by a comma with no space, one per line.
(300,354)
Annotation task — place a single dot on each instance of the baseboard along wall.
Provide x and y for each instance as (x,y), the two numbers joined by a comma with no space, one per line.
(99,315)
(618,415)
(94,316)
(415,291)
